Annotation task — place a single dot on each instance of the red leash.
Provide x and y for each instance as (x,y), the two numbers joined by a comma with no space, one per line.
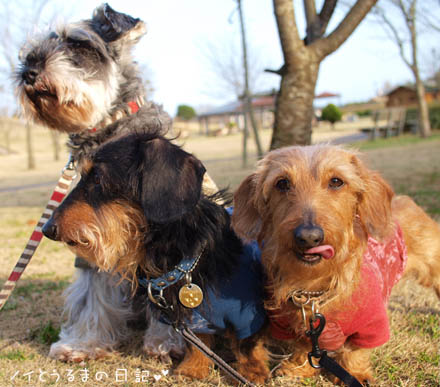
(60,191)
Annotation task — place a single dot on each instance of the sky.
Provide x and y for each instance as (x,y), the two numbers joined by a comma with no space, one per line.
(182,32)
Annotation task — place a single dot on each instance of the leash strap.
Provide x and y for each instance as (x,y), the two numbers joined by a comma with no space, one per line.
(190,337)
(332,366)
(60,191)
(317,324)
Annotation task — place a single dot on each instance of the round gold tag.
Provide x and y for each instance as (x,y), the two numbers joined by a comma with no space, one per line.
(190,295)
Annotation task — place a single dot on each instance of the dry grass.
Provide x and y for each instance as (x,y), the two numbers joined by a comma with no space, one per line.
(31,319)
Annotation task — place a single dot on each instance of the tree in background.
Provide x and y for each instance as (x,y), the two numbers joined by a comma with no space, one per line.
(406,40)
(238,75)
(185,112)
(332,114)
(302,58)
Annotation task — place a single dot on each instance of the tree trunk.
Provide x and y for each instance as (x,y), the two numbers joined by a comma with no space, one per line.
(294,106)
(29,147)
(248,109)
(424,124)
(56,144)
(245,138)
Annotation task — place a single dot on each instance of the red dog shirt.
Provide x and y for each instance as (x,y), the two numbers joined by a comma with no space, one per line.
(365,325)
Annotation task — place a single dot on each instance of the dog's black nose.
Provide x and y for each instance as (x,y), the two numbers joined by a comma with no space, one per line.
(50,230)
(29,75)
(307,236)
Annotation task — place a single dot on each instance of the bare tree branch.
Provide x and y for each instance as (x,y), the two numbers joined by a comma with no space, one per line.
(291,43)
(393,33)
(317,24)
(326,46)
(302,60)
(408,11)
(310,9)
(326,13)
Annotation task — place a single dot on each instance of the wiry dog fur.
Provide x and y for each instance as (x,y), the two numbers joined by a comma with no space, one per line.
(330,189)
(81,79)
(138,211)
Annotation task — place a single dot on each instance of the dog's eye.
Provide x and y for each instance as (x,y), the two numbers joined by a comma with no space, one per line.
(283,185)
(335,183)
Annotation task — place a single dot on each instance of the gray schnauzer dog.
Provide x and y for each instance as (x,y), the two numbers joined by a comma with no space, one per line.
(81,79)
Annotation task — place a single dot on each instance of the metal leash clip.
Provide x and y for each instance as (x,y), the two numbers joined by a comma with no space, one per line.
(314,332)
(301,299)
(70,167)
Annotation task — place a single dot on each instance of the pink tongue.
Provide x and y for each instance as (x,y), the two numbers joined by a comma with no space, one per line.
(326,251)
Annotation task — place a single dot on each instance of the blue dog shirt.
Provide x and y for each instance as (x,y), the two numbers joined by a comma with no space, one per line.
(238,301)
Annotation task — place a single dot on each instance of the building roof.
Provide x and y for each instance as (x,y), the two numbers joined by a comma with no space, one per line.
(428,88)
(237,107)
(258,101)
(327,94)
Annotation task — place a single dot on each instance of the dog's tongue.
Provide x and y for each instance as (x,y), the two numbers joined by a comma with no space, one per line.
(326,251)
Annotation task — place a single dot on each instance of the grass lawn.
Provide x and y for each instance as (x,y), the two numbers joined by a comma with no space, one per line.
(31,319)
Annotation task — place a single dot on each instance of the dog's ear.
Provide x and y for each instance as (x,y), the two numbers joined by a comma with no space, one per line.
(170,181)
(374,202)
(246,220)
(112,25)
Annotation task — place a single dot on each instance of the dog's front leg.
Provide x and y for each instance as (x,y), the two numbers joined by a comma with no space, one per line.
(161,340)
(97,312)
(252,358)
(297,366)
(195,364)
(356,361)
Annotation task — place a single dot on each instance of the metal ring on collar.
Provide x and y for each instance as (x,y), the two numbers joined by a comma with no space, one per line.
(159,300)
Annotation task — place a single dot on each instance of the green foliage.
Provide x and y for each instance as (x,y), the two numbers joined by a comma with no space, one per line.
(403,140)
(34,288)
(425,325)
(185,112)
(46,334)
(412,115)
(331,113)
(15,355)
(364,113)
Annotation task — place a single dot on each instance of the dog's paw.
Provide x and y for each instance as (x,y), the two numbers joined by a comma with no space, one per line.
(67,353)
(255,376)
(295,371)
(163,342)
(164,351)
(256,372)
(187,371)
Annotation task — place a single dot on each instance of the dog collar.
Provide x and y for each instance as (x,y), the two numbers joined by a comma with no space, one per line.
(186,266)
(132,108)
(190,295)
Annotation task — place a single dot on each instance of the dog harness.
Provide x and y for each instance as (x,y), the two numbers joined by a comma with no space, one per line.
(366,323)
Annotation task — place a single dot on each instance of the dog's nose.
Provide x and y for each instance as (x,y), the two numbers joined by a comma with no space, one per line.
(29,75)
(307,236)
(50,230)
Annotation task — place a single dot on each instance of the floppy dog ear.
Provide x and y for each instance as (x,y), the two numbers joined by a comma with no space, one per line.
(374,203)
(246,220)
(171,181)
(112,25)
